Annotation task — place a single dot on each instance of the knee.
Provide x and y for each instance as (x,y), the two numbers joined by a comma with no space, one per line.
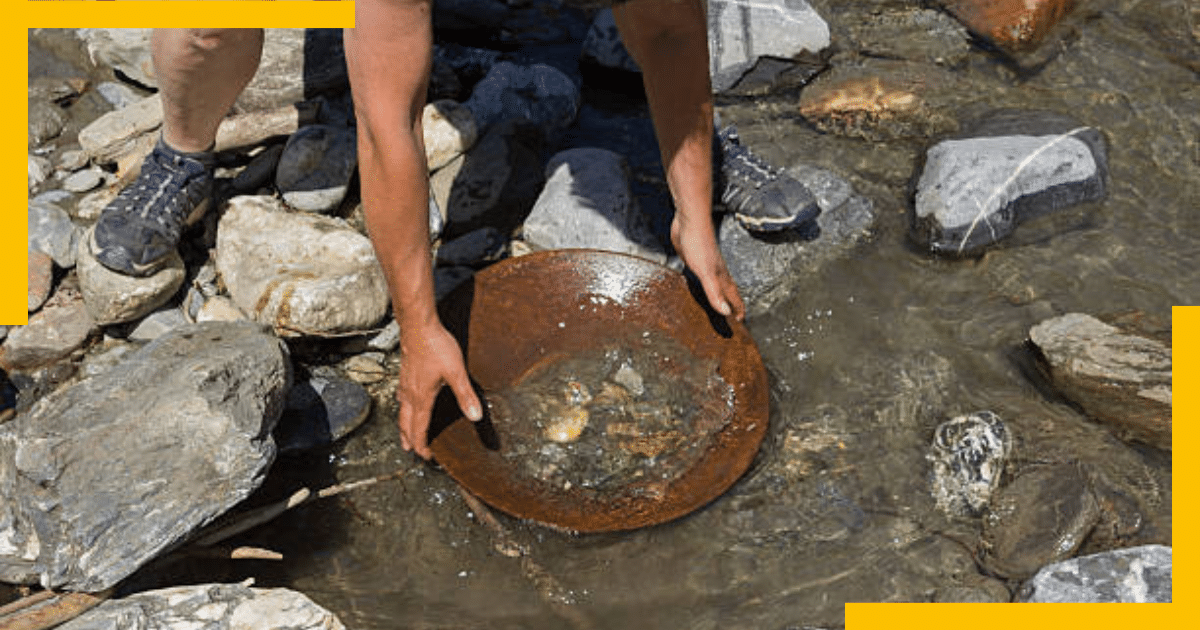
(216,40)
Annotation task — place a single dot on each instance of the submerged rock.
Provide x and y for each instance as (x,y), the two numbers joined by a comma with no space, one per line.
(1120,379)
(1017,27)
(968,456)
(740,32)
(321,410)
(302,274)
(209,606)
(587,203)
(975,189)
(1042,517)
(104,475)
(1134,575)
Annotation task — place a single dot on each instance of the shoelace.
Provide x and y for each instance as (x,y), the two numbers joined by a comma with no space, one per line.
(177,174)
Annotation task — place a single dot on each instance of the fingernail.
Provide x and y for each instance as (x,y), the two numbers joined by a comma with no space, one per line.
(724,309)
(474,414)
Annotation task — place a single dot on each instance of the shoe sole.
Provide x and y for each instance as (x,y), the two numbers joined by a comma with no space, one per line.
(145,269)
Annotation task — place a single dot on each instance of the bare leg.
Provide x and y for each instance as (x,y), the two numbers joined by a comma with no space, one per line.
(200,73)
(669,41)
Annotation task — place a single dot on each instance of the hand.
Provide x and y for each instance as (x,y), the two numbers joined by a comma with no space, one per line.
(696,242)
(430,358)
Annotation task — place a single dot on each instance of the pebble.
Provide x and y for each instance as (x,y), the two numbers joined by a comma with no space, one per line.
(364,369)
(83,181)
(72,160)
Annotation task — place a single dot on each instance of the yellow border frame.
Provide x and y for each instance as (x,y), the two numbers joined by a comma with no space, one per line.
(1185,320)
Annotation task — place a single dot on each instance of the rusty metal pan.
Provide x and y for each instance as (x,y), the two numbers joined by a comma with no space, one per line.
(520,311)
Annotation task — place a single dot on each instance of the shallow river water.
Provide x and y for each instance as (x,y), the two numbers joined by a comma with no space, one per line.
(866,357)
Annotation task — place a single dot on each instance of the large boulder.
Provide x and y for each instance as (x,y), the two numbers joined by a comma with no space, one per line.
(299,273)
(1123,380)
(104,475)
(976,188)
(115,298)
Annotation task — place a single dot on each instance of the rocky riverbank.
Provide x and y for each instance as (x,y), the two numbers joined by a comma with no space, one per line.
(140,410)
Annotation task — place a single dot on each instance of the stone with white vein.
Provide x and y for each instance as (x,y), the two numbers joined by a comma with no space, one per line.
(1131,575)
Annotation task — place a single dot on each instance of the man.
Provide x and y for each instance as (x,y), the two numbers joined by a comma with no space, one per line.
(389,56)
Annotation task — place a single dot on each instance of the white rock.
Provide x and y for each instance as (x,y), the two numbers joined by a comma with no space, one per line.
(114,298)
(449,130)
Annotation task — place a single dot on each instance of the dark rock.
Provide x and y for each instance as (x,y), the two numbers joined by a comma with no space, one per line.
(740,33)
(603,46)
(1134,575)
(104,475)
(473,248)
(259,171)
(1123,380)
(315,168)
(538,93)
(975,189)
(320,410)
(968,456)
(499,180)
(1042,517)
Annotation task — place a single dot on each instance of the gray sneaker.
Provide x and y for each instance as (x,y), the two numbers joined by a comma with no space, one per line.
(762,197)
(139,229)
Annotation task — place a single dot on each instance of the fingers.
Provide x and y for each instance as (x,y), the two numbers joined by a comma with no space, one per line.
(468,402)
(414,424)
(723,294)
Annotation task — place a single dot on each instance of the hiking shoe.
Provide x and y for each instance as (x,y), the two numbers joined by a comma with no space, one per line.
(762,197)
(139,229)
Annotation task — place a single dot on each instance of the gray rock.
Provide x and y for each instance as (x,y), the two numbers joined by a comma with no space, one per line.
(118,94)
(39,170)
(1122,380)
(73,160)
(1042,517)
(473,248)
(499,180)
(52,232)
(46,121)
(41,279)
(54,197)
(53,333)
(321,410)
(587,203)
(1133,575)
(118,132)
(742,31)
(209,606)
(89,495)
(113,352)
(539,93)
(765,268)
(316,166)
(157,324)
(83,181)
(603,46)
(437,220)
(968,457)
(974,190)
(259,171)
(123,49)
(323,279)
(387,339)
(114,298)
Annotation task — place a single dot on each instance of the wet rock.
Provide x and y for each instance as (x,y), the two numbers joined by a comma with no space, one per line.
(321,410)
(1133,575)
(449,131)
(968,457)
(39,170)
(603,46)
(157,324)
(499,181)
(765,269)
(89,496)
(741,32)
(73,160)
(1016,27)
(909,33)
(209,606)
(52,232)
(975,189)
(323,279)
(83,181)
(538,93)
(46,121)
(587,203)
(473,248)
(259,171)
(982,591)
(316,166)
(1122,380)
(116,133)
(41,279)
(53,333)
(881,100)
(114,298)
(1042,517)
